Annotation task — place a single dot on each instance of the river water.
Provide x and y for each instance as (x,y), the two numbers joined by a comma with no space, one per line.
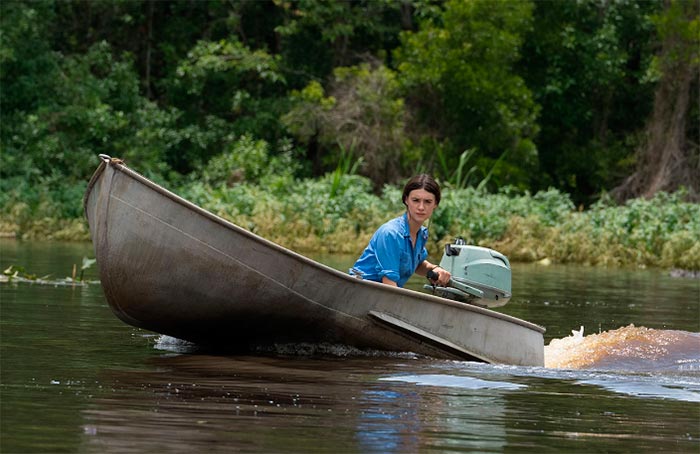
(622,375)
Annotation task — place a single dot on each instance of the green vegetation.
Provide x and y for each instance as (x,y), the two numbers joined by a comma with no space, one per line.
(561,130)
(663,231)
(339,212)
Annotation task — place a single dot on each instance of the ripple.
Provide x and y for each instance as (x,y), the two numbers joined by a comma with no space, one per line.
(453,381)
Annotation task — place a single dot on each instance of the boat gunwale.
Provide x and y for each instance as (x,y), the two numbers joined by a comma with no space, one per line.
(118,165)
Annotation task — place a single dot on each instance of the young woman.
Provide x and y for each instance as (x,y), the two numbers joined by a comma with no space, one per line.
(397,248)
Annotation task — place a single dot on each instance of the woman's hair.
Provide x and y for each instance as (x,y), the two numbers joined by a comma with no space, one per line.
(425,182)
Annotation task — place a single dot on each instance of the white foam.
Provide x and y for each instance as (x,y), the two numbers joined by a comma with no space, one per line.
(453,381)
(173,344)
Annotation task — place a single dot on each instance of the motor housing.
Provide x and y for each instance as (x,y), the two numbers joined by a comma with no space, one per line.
(480,275)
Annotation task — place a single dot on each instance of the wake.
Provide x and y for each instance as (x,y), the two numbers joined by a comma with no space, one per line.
(629,348)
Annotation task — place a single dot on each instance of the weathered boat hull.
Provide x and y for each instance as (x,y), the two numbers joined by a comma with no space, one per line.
(171,267)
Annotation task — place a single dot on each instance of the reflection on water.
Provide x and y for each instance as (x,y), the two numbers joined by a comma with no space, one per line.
(302,404)
(451,381)
(634,361)
(648,387)
(74,378)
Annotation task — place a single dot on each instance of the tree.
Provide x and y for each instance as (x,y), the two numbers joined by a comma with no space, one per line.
(669,157)
(459,79)
(363,115)
(317,36)
(28,65)
(585,63)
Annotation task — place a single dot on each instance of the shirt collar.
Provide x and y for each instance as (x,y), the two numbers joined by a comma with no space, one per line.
(423,232)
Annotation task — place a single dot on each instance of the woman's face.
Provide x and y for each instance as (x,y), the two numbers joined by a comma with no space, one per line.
(420,204)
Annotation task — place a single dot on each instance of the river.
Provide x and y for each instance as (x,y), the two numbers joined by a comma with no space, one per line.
(622,375)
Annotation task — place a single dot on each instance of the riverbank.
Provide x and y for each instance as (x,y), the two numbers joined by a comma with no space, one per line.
(661,232)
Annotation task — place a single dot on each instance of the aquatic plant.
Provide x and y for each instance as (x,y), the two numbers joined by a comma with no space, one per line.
(86,265)
(14,272)
(17,273)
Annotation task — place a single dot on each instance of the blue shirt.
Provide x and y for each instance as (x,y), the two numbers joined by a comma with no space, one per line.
(390,253)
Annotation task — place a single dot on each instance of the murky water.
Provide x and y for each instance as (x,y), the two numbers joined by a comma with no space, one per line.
(74,378)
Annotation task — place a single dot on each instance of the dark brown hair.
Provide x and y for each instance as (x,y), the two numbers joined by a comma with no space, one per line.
(422,181)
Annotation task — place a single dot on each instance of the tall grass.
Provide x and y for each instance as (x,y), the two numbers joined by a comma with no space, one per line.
(663,231)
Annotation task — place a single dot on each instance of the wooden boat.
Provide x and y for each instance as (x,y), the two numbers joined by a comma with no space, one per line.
(169,266)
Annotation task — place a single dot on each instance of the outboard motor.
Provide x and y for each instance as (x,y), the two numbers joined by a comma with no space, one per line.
(480,276)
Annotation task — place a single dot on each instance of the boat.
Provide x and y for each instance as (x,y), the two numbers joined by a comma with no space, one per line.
(168,266)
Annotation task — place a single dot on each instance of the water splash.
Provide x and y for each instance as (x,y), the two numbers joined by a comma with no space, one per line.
(175,345)
(629,348)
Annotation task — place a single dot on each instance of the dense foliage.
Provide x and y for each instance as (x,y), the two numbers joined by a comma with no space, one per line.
(301,111)
(340,214)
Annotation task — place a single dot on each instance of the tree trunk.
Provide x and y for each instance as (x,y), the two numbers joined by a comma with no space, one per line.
(668,158)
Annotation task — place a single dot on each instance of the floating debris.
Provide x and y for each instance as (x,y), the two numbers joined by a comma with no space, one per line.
(687,274)
(17,273)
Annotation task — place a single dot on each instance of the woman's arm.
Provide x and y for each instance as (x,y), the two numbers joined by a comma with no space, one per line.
(443,275)
(387,281)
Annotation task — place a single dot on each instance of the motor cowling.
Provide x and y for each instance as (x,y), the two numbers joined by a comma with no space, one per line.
(480,275)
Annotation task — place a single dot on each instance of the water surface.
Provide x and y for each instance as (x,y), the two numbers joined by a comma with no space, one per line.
(74,378)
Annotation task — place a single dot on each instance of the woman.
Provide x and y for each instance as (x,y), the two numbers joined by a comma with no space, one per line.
(397,248)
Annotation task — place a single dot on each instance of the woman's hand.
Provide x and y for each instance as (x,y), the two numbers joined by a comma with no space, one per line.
(443,278)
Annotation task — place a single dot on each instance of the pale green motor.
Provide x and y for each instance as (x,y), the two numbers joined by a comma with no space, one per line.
(480,275)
